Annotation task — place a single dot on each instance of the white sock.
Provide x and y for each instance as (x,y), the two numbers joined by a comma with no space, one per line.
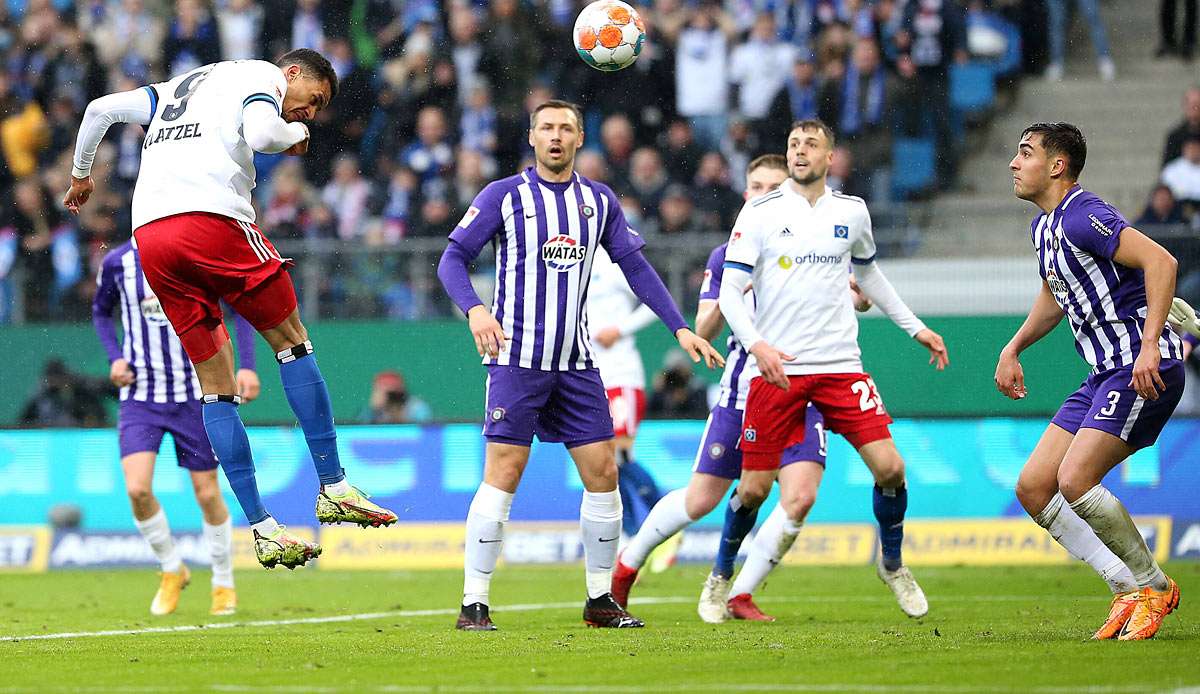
(1078,538)
(158,534)
(265,527)
(771,542)
(668,517)
(600,525)
(337,488)
(485,538)
(1108,517)
(220,547)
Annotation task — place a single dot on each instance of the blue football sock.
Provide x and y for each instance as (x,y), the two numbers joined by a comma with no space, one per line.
(739,521)
(890,505)
(309,398)
(227,435)
(630,518)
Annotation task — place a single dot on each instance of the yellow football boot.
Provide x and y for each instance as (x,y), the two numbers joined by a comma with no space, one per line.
(1152,606)
(1118,614)
(224,601)
(169,588)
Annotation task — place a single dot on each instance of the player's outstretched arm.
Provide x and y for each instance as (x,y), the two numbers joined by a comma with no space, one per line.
(733,306)
(136,106)
(876,287)
(1043,317)
(649,288)
(1137,250)
(485,329)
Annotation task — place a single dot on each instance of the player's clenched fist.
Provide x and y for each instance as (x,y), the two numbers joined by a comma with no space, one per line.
(78,194)
(697,347)
(301,147)
(1010,377)
(770,363)
(489,336)
(120,374)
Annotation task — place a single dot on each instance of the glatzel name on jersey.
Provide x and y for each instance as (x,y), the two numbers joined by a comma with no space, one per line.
(173,132)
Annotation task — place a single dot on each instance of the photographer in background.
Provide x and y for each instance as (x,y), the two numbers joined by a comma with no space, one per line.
(678,393)
(391,403)
(67,399)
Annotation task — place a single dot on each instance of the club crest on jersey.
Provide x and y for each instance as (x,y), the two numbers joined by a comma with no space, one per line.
(716,450)
(587,210)
(750,435)
(841,231)
(497,414)
(561,253)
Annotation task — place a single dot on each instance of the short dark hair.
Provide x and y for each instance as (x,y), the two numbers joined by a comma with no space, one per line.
(814,124)
(769,161)
(1062,139)
(312,64)
(557,103)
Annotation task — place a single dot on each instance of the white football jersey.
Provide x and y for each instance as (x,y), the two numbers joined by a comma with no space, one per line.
(194,158)
(612,302)
(799,257)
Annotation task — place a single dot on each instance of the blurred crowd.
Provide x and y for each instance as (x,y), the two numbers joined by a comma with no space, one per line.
(434,101)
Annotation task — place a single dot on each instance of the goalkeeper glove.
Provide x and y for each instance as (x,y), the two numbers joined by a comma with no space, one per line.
(1183,317)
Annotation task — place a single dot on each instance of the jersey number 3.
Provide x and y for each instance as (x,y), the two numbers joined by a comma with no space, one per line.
(184,92)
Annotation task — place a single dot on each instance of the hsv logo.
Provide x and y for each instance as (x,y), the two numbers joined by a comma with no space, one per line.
(561,253)
(841,231)
(750,435)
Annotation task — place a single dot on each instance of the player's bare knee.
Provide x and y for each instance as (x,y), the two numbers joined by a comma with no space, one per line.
(1074,483)
(140,494)
(798,503)
(890,474)
(1033,495)
(753,492)
(208,495)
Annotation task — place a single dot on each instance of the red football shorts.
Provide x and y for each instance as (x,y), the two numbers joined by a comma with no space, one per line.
(627,407)
(194,260)
(774,418)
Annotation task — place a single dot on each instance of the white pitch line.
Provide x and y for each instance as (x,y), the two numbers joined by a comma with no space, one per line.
(861,687)
(527,607)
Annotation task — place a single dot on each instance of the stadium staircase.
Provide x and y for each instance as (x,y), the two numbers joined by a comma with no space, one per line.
(1125,122)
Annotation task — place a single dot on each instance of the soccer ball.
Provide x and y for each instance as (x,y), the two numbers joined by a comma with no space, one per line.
(609,35)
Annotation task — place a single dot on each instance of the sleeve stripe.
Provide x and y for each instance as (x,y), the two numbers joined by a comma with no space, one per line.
(260,97)
(153,100)
(734,265)
(862,261)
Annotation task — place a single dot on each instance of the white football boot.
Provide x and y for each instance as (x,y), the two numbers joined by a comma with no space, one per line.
(712,608)
(904,587)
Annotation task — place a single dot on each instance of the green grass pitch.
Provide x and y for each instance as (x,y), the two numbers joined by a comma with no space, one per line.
(1002,629)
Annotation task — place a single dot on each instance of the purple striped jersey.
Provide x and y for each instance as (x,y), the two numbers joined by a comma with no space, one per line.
(1104,301)
(161,367)
(545,236)
(735,380)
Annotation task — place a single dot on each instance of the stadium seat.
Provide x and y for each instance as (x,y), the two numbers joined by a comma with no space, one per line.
(972,88)
(913,166)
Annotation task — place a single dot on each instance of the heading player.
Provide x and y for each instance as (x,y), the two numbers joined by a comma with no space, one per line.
(160,394)
(1115,287)
(798,244)
(616,315)
(546,223)
(195,233)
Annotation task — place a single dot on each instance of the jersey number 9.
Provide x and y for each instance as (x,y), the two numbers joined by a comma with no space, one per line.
(184,92)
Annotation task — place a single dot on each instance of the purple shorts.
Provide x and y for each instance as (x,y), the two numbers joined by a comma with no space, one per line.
(141,426)
(1106,402)
(720,455)
(569,407)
